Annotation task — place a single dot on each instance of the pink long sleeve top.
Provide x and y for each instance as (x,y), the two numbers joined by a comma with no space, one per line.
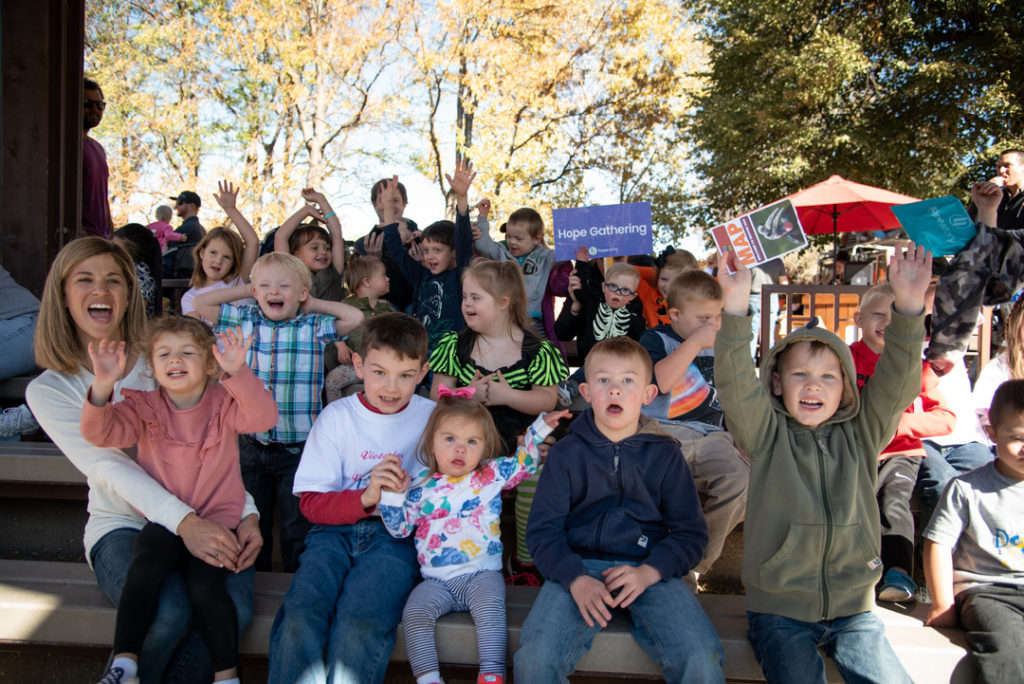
(192,452)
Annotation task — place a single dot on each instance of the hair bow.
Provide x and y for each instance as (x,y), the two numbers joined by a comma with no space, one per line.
(462,392)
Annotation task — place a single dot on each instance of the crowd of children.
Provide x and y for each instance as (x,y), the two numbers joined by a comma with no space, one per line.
(389,494)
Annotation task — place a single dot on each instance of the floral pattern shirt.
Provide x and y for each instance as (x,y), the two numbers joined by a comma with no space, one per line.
(456,519)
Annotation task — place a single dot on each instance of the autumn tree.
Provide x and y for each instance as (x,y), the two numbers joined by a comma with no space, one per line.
(910,96)
(548,96)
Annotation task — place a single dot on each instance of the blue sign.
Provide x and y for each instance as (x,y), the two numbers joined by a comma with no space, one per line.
(940,225)
(606,231)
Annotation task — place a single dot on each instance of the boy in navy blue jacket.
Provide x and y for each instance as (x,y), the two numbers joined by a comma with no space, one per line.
(616,524)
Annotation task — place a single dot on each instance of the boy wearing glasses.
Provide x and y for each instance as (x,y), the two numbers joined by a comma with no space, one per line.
(95,205)
(602,307)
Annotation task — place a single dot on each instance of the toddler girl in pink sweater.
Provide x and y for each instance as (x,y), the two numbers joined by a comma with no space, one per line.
(187,436)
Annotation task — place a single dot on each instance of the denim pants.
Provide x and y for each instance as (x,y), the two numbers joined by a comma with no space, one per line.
(346,597)
(940,465)
(268,471)
(16,340)
(666,621)
(173,651)
(992,617)
(787,649)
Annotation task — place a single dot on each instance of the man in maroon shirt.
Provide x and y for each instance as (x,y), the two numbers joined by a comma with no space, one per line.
(95,205)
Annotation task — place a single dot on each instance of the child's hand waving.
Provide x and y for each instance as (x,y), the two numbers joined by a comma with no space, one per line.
(108,365)
(462,178)
(227,195)
(235,346)
(910,272)
(735,285)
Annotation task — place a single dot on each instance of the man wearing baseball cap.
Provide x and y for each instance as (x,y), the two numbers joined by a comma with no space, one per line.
(179,261)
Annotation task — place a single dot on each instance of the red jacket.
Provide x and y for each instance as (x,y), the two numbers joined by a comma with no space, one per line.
(928,416)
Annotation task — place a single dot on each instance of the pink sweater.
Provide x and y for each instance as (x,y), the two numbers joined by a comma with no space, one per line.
(192,452)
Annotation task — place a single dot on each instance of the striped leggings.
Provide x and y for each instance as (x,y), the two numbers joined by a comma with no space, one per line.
(480,593)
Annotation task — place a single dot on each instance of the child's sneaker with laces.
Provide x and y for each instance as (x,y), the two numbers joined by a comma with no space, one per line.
(116,675)
(897,587)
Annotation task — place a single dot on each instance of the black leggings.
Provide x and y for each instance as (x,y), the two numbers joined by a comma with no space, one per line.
(156,554)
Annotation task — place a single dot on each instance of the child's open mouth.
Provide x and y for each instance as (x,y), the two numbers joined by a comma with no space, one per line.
(812,404)
(614,409)
(177,373)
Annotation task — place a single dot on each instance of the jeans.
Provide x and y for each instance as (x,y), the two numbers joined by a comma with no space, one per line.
(991,617)
(940,465)
(16,340)
(347,597)
(787,649)
(268,471)
(666,621)
(172,651)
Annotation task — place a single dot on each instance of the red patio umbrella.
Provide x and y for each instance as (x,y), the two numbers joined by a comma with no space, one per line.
(838,206)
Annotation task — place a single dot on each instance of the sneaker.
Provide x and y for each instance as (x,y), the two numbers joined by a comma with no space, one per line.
(115,675)
(490,679)
(897,587)
(521,575)
(17,421)
(568,390)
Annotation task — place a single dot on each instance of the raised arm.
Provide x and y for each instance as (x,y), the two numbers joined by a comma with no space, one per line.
(460,182)
(333,227)
(227,199)
(291,223)
(347,317)
(207,304)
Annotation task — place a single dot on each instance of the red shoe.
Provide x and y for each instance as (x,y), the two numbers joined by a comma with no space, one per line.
(490,679)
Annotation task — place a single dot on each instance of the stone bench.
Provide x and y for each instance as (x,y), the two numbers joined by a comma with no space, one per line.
(59,604)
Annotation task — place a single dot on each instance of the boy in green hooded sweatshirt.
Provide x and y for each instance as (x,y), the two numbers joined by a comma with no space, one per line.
(811,536)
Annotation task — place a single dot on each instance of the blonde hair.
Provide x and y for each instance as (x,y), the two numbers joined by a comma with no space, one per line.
(691,285)
(1014,344)
(467,409)
(502,279)
(361,268)
(234,243)
(56,344)
(620,268)
(874,292)
(680,260)
(285,261)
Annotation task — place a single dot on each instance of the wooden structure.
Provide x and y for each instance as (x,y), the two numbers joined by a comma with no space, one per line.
(41,48)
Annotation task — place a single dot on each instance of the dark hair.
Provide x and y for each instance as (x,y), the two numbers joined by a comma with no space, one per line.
(307,232)
(1007,401)
(534,223)
(199,331)
(442,232)
(360,268)
(623,348)
(378,187)
(399,332)
(143,247)
(89,84)
(467,409)
(1014,150)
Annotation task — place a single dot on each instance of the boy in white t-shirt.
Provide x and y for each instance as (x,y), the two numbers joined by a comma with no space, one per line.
(973,559)
(354,577)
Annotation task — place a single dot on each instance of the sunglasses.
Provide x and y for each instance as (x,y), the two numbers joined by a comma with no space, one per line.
(97,104)
(615,289)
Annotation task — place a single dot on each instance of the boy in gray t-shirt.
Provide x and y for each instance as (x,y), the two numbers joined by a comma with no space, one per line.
(974,548)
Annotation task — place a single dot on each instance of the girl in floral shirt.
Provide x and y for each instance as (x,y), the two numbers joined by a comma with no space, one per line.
(454,509)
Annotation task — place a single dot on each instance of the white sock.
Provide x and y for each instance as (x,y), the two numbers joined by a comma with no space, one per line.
(129,666)
(233,680)
(430,678)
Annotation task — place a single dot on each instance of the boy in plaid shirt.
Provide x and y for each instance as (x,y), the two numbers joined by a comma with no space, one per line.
(287,355)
